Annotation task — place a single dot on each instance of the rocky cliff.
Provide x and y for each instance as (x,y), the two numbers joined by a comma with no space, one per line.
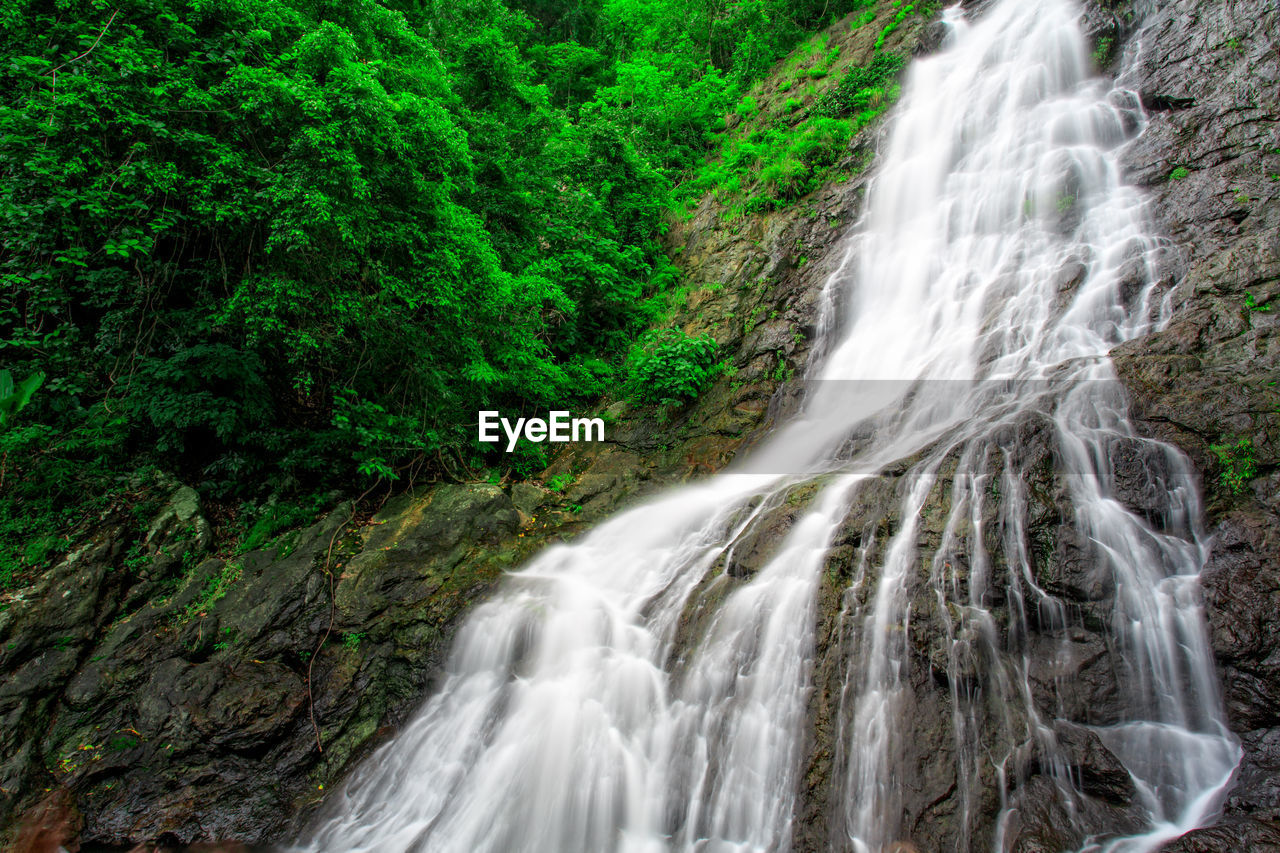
(1209,76)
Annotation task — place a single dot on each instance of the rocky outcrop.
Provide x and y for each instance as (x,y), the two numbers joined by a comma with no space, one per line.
(162,693)
(1208,74)
(969,666)
(1232,833)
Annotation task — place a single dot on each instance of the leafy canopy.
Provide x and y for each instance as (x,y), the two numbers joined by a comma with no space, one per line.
(281,245)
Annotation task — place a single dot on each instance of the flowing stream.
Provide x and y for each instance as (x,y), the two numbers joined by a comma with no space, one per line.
(628,693)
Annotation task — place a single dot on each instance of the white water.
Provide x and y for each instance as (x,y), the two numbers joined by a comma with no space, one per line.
(572,720)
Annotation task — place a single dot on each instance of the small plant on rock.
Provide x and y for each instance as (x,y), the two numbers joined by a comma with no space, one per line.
(560,482)
(1238,464)
(1253,306)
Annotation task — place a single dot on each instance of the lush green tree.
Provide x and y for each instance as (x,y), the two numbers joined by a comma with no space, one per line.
(288,244)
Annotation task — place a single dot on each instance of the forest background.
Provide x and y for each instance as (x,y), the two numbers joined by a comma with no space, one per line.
(276,248)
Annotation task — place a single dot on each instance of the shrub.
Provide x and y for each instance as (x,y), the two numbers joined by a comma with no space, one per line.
(785,178)
(527,460)
(560,482)
(861,86)
(1237,463)
(1102,53)
(670,368)
(263,526)
(1252,305)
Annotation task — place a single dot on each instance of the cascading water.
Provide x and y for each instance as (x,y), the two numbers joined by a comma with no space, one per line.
(999,260)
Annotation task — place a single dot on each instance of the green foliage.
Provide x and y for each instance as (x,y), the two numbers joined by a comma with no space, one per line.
(275,240)
(51,479)
(216,587)
(560,482)
(747,107)
(670,368)
(226,638)
(275,248)
(528,459)
(1237,464)
(862,87)
(263,526)
(1102,53)
(351,641)
(40,548)
(768,167)
(893,25)
(1179,173)
(863,19)
(775,166)
(14,398)
(782,372)
(1252,306)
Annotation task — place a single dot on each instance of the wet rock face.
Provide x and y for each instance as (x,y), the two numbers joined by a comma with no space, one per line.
(52,826)
(1208,74)
(1242,593)
(1229,835)
(967,731)
(170,698)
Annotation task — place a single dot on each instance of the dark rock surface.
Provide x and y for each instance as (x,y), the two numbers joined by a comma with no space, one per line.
(1232,834)
(166,696)
(963,663)
(1209,76)
(54,825)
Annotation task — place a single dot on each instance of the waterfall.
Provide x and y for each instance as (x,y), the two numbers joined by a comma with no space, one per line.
(628,692)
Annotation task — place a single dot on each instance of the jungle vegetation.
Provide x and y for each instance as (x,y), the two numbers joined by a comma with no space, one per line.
(278,246)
